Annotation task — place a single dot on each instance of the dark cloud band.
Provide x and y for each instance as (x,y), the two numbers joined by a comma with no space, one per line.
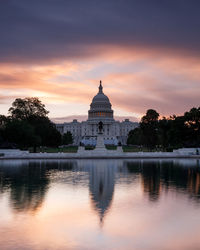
(50,29)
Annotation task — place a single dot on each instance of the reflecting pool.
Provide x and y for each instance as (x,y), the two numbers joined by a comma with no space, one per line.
(100,204)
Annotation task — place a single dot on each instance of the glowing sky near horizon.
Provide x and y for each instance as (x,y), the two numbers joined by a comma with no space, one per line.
(147,53)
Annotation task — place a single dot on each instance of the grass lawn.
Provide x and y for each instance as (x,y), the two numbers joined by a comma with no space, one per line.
(136,149)
(73,149)
(131,149)
(109,147)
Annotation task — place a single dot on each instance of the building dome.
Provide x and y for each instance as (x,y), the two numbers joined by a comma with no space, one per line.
(100,106)
(100,97)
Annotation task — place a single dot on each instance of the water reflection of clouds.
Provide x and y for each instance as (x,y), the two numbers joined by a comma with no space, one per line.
(57,193)
(29,181)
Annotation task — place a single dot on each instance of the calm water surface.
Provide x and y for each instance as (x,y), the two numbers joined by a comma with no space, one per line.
(100,204)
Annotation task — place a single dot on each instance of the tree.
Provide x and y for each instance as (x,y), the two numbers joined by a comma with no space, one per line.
(176,132)
(33,112)
(24,109)
(20,133)
(192,123)
(150,117)
(170,133)
(135,137)
(46,130)
(149,127)
(67,138)
(3,121)
(163,132)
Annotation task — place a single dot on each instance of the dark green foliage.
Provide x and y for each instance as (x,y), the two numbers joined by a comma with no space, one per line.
(163,132)
(23,109)
(192,123)
(174,132)
(147,133)
(149,128)
(21,133)
(46,130)
(3,121)
(29,125)
(150,117)
(67,138)
(135,137)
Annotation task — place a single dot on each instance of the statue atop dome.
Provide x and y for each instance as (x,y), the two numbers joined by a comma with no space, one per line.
(100,88)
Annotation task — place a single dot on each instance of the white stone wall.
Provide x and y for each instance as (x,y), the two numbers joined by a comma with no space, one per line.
(112,129)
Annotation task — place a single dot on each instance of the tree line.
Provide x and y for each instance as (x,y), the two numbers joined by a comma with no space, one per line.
(167,133)
(28,125)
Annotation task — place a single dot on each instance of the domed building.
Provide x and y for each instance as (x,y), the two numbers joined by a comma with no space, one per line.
(100,112)
(100,108)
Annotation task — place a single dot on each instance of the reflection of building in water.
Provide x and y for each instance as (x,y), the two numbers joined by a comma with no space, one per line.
(102,187)
(101,182)
(27,182)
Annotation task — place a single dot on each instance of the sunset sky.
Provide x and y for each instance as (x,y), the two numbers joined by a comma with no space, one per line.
(147,54)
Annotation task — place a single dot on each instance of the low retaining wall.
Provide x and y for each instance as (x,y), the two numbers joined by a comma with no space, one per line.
(187,151)
(13,152)
(93,154)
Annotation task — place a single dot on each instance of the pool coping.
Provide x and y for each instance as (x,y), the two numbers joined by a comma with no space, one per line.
(45,157)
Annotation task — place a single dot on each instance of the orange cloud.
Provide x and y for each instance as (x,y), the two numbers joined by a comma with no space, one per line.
(135,79)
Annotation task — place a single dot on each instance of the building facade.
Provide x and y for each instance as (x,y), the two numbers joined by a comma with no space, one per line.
(86,132)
